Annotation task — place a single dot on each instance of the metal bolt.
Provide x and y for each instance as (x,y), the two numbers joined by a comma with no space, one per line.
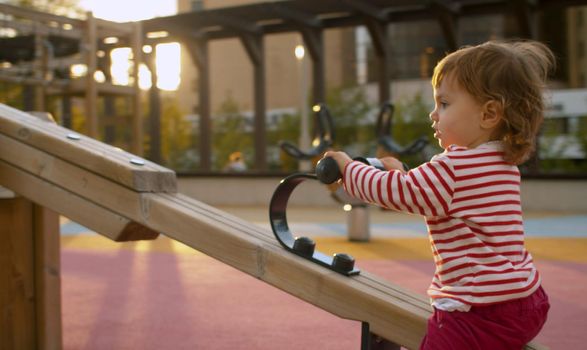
(137,161)
(73,136)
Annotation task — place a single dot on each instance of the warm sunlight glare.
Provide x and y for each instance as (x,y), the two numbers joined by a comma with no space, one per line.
(120,68)
(168,66)
(144,77)
(168,55)
(129,10)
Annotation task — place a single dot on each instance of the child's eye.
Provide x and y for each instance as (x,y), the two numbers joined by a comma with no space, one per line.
(443,105)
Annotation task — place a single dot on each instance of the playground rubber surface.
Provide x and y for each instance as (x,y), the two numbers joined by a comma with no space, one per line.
(162,294)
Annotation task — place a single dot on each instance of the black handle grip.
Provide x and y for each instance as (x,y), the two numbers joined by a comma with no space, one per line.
(327,171)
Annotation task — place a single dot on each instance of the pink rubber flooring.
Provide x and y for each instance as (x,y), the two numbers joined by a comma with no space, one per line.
(130,299)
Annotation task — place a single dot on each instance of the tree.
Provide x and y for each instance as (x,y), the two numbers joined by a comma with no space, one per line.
(410,122)
(176,137)
(231,133)
(353,119)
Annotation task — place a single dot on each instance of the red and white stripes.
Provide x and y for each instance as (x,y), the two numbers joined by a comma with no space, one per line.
(471,202)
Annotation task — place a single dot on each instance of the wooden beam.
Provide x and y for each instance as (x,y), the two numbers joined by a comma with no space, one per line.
(253,45)
(107,161)
(109,28)
(93,216)
(40,28)
(296,16)
(447,18)
(37,16)
(367,9)
(236,24)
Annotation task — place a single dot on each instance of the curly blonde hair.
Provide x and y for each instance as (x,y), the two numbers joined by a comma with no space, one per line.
(513,74)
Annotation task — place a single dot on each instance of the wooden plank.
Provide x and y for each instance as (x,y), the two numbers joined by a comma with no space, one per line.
(392,312)
(110,162)
(109,28)
(395,314)
(47,278)
(17,308)
(96,218)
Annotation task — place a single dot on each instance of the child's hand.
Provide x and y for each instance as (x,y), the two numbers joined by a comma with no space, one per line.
(341,158)
(391,163)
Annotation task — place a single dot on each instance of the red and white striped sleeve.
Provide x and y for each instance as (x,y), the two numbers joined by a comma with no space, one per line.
(426,190)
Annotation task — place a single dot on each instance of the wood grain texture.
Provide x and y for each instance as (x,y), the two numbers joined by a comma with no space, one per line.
(47,269)
(110,162)
(17,294)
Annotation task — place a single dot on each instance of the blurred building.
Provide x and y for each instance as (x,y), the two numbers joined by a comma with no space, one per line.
(416,47)
(232,74)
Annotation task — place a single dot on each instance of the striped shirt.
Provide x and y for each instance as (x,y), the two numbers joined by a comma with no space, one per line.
(470,199)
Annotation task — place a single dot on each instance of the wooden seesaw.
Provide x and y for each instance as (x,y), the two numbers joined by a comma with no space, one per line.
(124,197)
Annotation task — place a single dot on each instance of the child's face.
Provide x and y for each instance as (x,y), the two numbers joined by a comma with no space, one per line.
(456,116)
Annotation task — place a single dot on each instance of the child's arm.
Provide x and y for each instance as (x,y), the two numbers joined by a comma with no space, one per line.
(426,190)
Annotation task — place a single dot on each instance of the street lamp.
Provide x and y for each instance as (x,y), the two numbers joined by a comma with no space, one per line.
(300,53)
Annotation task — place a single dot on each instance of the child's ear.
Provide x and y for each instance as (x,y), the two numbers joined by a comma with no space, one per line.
(492,114)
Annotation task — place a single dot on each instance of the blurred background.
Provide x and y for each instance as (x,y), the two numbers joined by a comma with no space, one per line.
(113,71)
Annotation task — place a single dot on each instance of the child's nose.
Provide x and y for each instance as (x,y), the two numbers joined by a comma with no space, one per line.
(433,116)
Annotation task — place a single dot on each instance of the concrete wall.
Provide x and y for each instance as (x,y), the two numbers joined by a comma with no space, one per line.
(555,195)
(537,195)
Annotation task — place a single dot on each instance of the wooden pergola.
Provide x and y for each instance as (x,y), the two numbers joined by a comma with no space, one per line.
(251,23)
(43,44)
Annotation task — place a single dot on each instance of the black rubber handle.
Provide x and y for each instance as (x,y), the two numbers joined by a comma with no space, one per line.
(327,171)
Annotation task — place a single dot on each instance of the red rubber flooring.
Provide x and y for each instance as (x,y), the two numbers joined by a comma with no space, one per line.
(163,295)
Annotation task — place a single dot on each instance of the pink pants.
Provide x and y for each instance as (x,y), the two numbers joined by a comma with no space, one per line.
(503,326)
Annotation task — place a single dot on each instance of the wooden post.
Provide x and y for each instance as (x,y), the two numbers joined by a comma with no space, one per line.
(91,101)
(137,118)
(30,302)
(47,277)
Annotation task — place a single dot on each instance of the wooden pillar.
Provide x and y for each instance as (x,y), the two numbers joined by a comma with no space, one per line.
(66,116)
(137,117)
(380,38)
(109,119)
(198,50)
(314,41)
(40,70)
(154,110)
(34,94)
(91,101)
(30,297)
(525,15)
(255,48)
(28,98)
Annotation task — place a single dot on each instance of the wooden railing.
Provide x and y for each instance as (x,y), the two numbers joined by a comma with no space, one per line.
(126,198)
